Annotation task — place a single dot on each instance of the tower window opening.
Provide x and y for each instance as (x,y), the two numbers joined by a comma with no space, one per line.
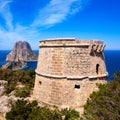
(40,82)
(97,68)
(77,86)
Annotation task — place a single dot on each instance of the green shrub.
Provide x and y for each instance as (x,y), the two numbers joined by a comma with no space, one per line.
(104,104)
(6,74)
(10,86)
(70,114)
(23,110)
(22,92)
(26,78)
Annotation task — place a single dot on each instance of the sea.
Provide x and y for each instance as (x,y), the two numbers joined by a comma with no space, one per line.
(112,59)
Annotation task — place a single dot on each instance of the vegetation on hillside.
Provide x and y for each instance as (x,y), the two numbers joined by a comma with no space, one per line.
(19,81)
(101,105)
(104,104)
(24,110)
(22,82)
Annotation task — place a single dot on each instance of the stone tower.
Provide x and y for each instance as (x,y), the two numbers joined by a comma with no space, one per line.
(68,70)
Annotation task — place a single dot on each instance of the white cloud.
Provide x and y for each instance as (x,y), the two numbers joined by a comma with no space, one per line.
(3,3)
(5,12)
(56,11)
(10,33)
(8,38)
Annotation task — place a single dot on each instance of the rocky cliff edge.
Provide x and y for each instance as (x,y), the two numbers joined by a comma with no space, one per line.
(20,54)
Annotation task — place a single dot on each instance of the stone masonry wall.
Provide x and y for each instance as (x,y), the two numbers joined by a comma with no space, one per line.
(67,72)
(77,61)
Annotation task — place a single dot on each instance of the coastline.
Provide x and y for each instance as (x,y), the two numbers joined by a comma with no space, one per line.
(25,66)
(31,60)
(20,68)
(112,58)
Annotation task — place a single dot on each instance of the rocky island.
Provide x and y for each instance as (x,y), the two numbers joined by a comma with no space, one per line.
(20,54)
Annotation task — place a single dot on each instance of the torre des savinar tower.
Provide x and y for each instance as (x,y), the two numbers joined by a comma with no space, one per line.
(68,70)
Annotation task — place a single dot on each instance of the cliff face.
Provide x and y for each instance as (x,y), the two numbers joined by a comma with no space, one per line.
(21,52)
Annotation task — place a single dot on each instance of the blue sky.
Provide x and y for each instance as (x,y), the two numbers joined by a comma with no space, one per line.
(35,20)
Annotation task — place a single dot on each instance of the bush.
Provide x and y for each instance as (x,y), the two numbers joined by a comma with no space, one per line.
(44,113)
(10,86)
(70,114)
(6,74)
(23,110)
(104,104)
(27,78)
(22,92)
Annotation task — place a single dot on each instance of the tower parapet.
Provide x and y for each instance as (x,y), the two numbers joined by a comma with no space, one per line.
(68,70)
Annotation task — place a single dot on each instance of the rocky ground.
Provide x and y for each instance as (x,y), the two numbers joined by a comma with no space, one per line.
(7,99)
(4,99)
